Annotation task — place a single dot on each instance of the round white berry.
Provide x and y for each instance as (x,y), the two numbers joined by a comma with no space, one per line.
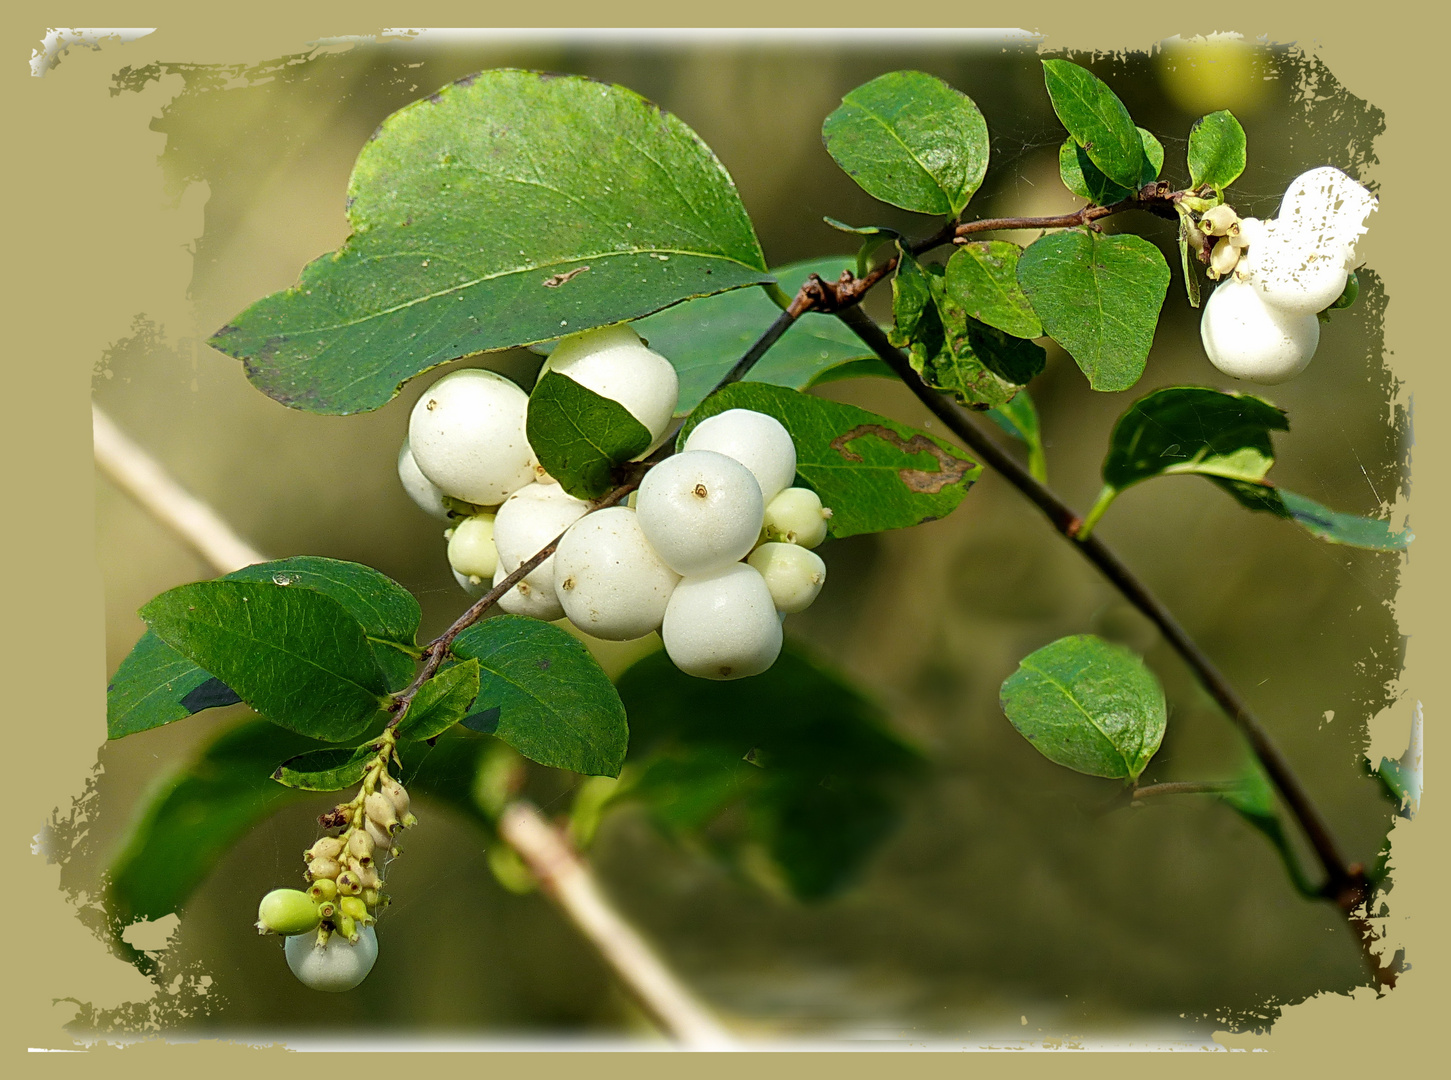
(1247,338)
(793,574)
(757,441)
(700,510)
(335,967)
(471,550)
(467,436)
(723,624)
(529,519)
(420,489)
(614,363)
(609,580)
(796,516)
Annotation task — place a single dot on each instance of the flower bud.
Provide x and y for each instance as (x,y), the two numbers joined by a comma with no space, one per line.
(354,908)
(327,909)
(382,841)
(323,889)
(329,847)
(348,883)
(322,868)
(349,929)
(380,810)
(1224,258)
(396,794)
(360,846)
(287,911)
(371,897)
(368,877)
(1219,221)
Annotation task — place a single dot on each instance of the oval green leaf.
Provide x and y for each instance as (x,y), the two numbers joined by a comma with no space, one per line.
(1088,705)
(332,768)
(1097,120)
(1216,150)
(508,208)
(872,472)
(441,702)
(580,436)
(982,278)
(1082,177)
(1099,297)
(911,140)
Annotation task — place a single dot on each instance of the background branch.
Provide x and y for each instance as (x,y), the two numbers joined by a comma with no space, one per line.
(565,876)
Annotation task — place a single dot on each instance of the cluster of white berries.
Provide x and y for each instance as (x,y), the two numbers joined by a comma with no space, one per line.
(345,890)
(712,551)
(1262,322)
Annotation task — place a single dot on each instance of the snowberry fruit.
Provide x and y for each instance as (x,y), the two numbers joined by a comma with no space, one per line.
(722,624)
(471,550)
(611,583)
(1247,338)
(529,519)
(467,437)
(700,510)
(419,488)
(287,911)
(336,966)
(796,516)
(614,363)
(757,441)
(793,575)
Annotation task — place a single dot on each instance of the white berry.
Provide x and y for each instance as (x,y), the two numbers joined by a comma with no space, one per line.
(335,967)
(700,510)
(467,436)
(793,575)
(614,363)
(529,519)
(722,625)
(609,580)
(471,550)
(420,489)
(796,516)
(1247,338)
(757,441)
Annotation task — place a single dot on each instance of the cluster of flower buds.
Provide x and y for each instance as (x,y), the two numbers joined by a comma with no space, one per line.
(344,893)
(1263,322)
(712,551)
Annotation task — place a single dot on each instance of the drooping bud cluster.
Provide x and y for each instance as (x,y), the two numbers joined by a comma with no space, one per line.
(344,893)
(712,552)
(1262,323)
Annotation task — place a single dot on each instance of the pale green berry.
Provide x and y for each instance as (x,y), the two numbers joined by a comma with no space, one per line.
(793,575)
(354,908)
(796,516)
(471,550)
(348,883)
(323,889)
(287,911)
(336,966)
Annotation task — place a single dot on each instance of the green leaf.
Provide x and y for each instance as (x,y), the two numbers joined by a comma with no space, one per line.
(824,785)
(1253,800)
(1319,521)
(441,702)
(580,436)
(982,278)
(195,816)
(155,685)
(1189,261)
(951,350)
(1097,120)
(295,655)
(704,338)
(1191,429)
(508,208)
(911,140)
(329,769)
(1088,705)
(1216,150)
(874,473)
(1019,418)
(1082,177)
(541,692)
(1099,297)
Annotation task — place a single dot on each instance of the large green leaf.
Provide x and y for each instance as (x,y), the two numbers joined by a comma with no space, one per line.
(952,351)
(508,208)
(196,815)
(704,338)
(982,277)
(1097,120)
(441,702)
(1099,297)
(1216,150)
(911,140)
(332,768)
(795,761)
(295,655)
(541,692)
(872,472)
(155,684)
(1082,177)
(580,436)
(1088,705)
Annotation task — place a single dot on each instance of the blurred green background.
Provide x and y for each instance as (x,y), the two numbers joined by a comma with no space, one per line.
(1003,903)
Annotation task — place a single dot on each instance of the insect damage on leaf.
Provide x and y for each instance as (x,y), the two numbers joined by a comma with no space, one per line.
(950,469)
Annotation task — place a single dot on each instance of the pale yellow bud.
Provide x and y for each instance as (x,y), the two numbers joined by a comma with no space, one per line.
(323,868)
(380,810)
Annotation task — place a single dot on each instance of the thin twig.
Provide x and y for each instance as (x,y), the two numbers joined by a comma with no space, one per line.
(538,842)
